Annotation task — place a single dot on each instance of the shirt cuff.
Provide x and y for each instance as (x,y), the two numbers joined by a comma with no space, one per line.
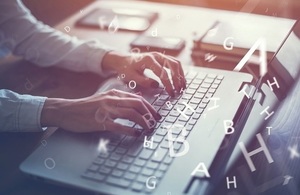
(95,57)
(29,114)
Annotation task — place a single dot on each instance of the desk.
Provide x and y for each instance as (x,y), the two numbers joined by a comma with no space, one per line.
(179,21)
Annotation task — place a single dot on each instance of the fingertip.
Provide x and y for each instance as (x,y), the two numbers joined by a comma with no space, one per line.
(154,84)
(137,133)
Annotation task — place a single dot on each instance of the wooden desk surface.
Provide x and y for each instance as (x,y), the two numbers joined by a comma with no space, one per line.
(23,77)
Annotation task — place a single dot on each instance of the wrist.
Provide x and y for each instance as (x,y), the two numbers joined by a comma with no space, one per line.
(114,61)
(52,112)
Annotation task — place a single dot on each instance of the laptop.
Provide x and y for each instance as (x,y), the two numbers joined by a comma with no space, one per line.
(165,164)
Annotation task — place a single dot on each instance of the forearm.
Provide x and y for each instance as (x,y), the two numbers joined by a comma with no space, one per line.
(45,46)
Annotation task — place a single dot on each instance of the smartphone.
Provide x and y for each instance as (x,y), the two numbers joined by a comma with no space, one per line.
(168,45)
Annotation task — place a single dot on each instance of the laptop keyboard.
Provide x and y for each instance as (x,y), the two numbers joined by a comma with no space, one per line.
(128,164)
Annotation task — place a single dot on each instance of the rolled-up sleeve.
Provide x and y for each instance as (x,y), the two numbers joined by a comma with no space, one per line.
(20,112)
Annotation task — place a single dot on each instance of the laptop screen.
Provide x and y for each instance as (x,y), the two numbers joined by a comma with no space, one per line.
(285,66)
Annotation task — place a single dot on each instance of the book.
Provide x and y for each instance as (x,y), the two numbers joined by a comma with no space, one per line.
(232,40)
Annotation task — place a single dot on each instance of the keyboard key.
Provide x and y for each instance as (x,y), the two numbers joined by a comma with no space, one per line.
(156,107)
(99,161)
(220,77)
(104,170)
(110,163)
(174,113)
(164,112)
(186,97)
(196,116)
(120,150)
(103,155)
(115,157)
(182,118)
(197,82)
(118,182)
(99,177)
(159,155)
(214,86)
(135,169)
(157,139)
(202,105)
(199,110)
(212,76)
(145,154)
(127,159)
(165,144)
(212,90)
(159,174)
(177,145)
(137,186)
(162,130)
(159,103)
(142,179)
(217,82)
(134,151)
(168,159)
(189,127)
(195,101)
(93,167)
(162,167)
(201,75)
(152,165)
(176,129)
(192,121)
(193,86)
(117,173)
(147,172)
(140,162)
(190,91)
(89,174)
(128,141)
(208,80)
(164,97)
(180,123)
(165,107)
(205,100)
(122,166)
(130,176)
(202,90)
(199,95)
(208,95)
(205,85)
(171,119)
(110,147)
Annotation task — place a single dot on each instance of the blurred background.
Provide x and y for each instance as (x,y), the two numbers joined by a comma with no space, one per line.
(52,12)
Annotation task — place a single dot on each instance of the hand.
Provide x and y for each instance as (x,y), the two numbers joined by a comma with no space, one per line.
(133,66)
(97,113)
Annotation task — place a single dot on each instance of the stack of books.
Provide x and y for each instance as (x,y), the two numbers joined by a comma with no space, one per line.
(226,43)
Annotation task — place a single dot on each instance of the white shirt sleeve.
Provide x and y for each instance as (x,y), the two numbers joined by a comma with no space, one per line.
(22,34)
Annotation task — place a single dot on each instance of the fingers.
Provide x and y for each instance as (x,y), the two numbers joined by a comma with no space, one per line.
(159,71)
(134,116)
(146,82)
(175,67)
(123,94)
(128,106)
